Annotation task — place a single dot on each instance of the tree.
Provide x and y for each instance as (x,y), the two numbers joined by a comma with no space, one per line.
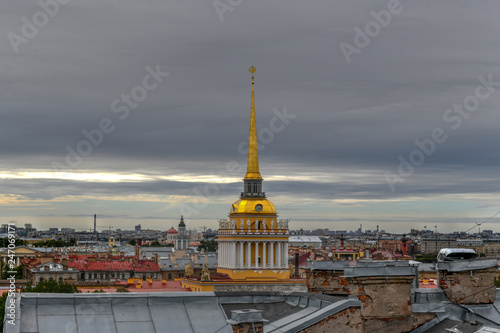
(3,299)
(122,290)
(132,242)
(6,268)
(209,245)
(4,242)
(51,286)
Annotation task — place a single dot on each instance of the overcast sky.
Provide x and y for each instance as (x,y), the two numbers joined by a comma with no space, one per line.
(344,92)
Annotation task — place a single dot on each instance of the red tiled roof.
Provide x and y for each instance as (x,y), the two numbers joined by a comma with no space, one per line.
(145,266)
(108,265)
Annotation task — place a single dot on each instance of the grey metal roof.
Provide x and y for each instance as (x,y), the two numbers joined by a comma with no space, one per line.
(161,251)
(202,312)
(458,266)
(434,301)
(379,271)
(327,265)
(339,265)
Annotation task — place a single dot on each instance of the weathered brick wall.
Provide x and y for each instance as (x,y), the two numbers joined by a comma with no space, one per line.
(384,297)
(465,287)
(328,282)
(386,301)
(248,328)
(348,321)
(397,324)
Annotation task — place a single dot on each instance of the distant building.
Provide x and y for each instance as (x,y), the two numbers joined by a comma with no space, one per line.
(138,228)
(432,245)
(171,233)
(182,238)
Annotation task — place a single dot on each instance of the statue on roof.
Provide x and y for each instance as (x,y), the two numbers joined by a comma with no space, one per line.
(188,269)
(205,274)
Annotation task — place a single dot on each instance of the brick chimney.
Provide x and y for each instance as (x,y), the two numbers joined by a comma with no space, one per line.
(404,240)
(468,282)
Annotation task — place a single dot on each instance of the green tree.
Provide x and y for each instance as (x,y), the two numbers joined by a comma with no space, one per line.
(3,299)
(210,245)
(122,290)
(6,269)
(51,286)
(132,242)
(4,242)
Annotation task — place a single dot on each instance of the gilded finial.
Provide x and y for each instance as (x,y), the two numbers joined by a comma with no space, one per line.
(252,70)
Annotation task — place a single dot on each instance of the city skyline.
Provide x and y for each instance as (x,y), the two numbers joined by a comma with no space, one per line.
(386,116)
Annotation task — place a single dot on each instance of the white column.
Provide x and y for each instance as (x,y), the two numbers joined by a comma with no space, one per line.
(221,254)
(285,254)
(233,254)
(278,254)
(249,254)
(227,254)
(256,254)
(264,257)
(271,254)
(241,255)
(224,251)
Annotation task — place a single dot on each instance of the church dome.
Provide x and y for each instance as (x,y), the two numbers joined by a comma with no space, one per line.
(251,205)
(172,231)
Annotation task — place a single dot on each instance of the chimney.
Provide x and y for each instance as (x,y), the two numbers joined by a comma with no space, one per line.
(468,282)
(248,320)
(342,242)
(139,241)
(404,240)
(95,224)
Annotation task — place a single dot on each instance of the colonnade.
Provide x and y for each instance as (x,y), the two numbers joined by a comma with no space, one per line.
(238,254)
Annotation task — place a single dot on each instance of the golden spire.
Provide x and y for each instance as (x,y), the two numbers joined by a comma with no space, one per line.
(253,153)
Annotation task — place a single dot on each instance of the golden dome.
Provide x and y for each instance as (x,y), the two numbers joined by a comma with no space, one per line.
(253,205)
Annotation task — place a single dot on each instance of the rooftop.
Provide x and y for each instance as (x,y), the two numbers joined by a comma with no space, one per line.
(169,312)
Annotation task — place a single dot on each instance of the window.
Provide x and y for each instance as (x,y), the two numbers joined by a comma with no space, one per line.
(82,276)
(60,279)
(169,276)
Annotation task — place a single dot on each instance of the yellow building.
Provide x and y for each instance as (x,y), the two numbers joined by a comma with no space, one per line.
(253,242)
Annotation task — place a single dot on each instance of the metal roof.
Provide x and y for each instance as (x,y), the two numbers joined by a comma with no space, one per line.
(200,312)
(457,266)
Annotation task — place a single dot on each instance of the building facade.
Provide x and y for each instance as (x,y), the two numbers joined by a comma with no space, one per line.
(181,238)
